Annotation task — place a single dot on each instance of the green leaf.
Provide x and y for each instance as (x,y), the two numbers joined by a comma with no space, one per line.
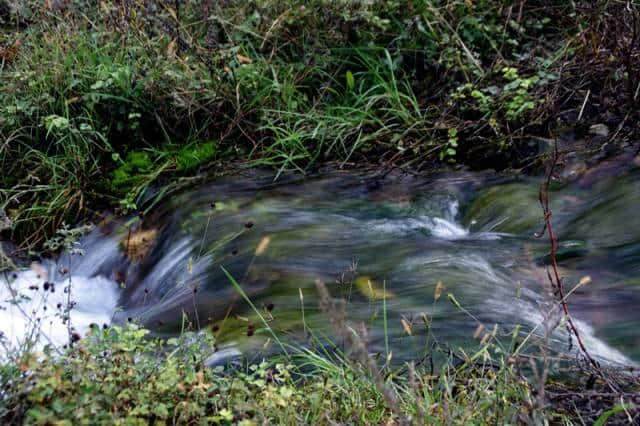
(351,82)
(226,414)
(604,416)
(97,85)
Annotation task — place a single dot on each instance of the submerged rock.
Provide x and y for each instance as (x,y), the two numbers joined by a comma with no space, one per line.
(510,208)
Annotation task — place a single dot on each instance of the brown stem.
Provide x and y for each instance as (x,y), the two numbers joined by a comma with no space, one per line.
(555,279)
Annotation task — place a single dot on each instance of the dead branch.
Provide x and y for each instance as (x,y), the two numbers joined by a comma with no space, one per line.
(554,275)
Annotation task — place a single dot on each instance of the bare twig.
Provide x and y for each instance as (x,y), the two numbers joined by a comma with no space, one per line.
(554,275)
(584,103)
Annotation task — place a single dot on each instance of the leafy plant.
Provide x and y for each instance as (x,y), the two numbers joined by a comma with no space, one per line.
(518,99)
(283,85)
(449,149)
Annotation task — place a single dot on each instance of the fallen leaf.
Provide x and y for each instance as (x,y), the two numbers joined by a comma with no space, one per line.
(9,53)
(262,247)
(138,243)
(370,289)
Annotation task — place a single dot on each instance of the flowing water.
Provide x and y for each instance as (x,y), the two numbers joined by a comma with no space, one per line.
(366,236)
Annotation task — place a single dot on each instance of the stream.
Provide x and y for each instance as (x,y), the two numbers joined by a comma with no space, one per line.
(434,254)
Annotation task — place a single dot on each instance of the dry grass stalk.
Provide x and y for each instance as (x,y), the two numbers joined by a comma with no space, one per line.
(335,309)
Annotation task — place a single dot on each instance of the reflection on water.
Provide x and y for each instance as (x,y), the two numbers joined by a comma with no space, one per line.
(362,235)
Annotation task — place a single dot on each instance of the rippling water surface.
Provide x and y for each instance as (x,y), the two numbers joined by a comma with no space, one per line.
(468,235)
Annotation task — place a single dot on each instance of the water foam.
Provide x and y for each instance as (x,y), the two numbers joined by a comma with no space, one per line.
(444,226)
(34,301)
(527,308)
(33,308)
(594,345)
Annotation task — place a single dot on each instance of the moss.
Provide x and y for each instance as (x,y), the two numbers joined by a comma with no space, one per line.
(193,156)
(515,204)
(128,173)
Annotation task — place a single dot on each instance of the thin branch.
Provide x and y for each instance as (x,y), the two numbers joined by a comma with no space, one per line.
(554,275)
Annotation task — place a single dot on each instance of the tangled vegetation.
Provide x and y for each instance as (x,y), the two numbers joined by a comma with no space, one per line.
(101,100)
(125,375)
(116,376)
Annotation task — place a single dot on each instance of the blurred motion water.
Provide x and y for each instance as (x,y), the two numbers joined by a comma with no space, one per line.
(358,233)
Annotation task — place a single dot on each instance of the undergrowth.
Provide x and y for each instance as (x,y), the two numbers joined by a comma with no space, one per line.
(122,374)
(99,101)
(117,376)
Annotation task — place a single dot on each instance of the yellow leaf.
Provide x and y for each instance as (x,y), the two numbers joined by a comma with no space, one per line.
(264,243)
(138,243)
(369,289)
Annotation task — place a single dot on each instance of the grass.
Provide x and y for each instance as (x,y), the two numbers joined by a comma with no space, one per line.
(289,85)
(117,376)
(121,375)
(125,375)
(101,101)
